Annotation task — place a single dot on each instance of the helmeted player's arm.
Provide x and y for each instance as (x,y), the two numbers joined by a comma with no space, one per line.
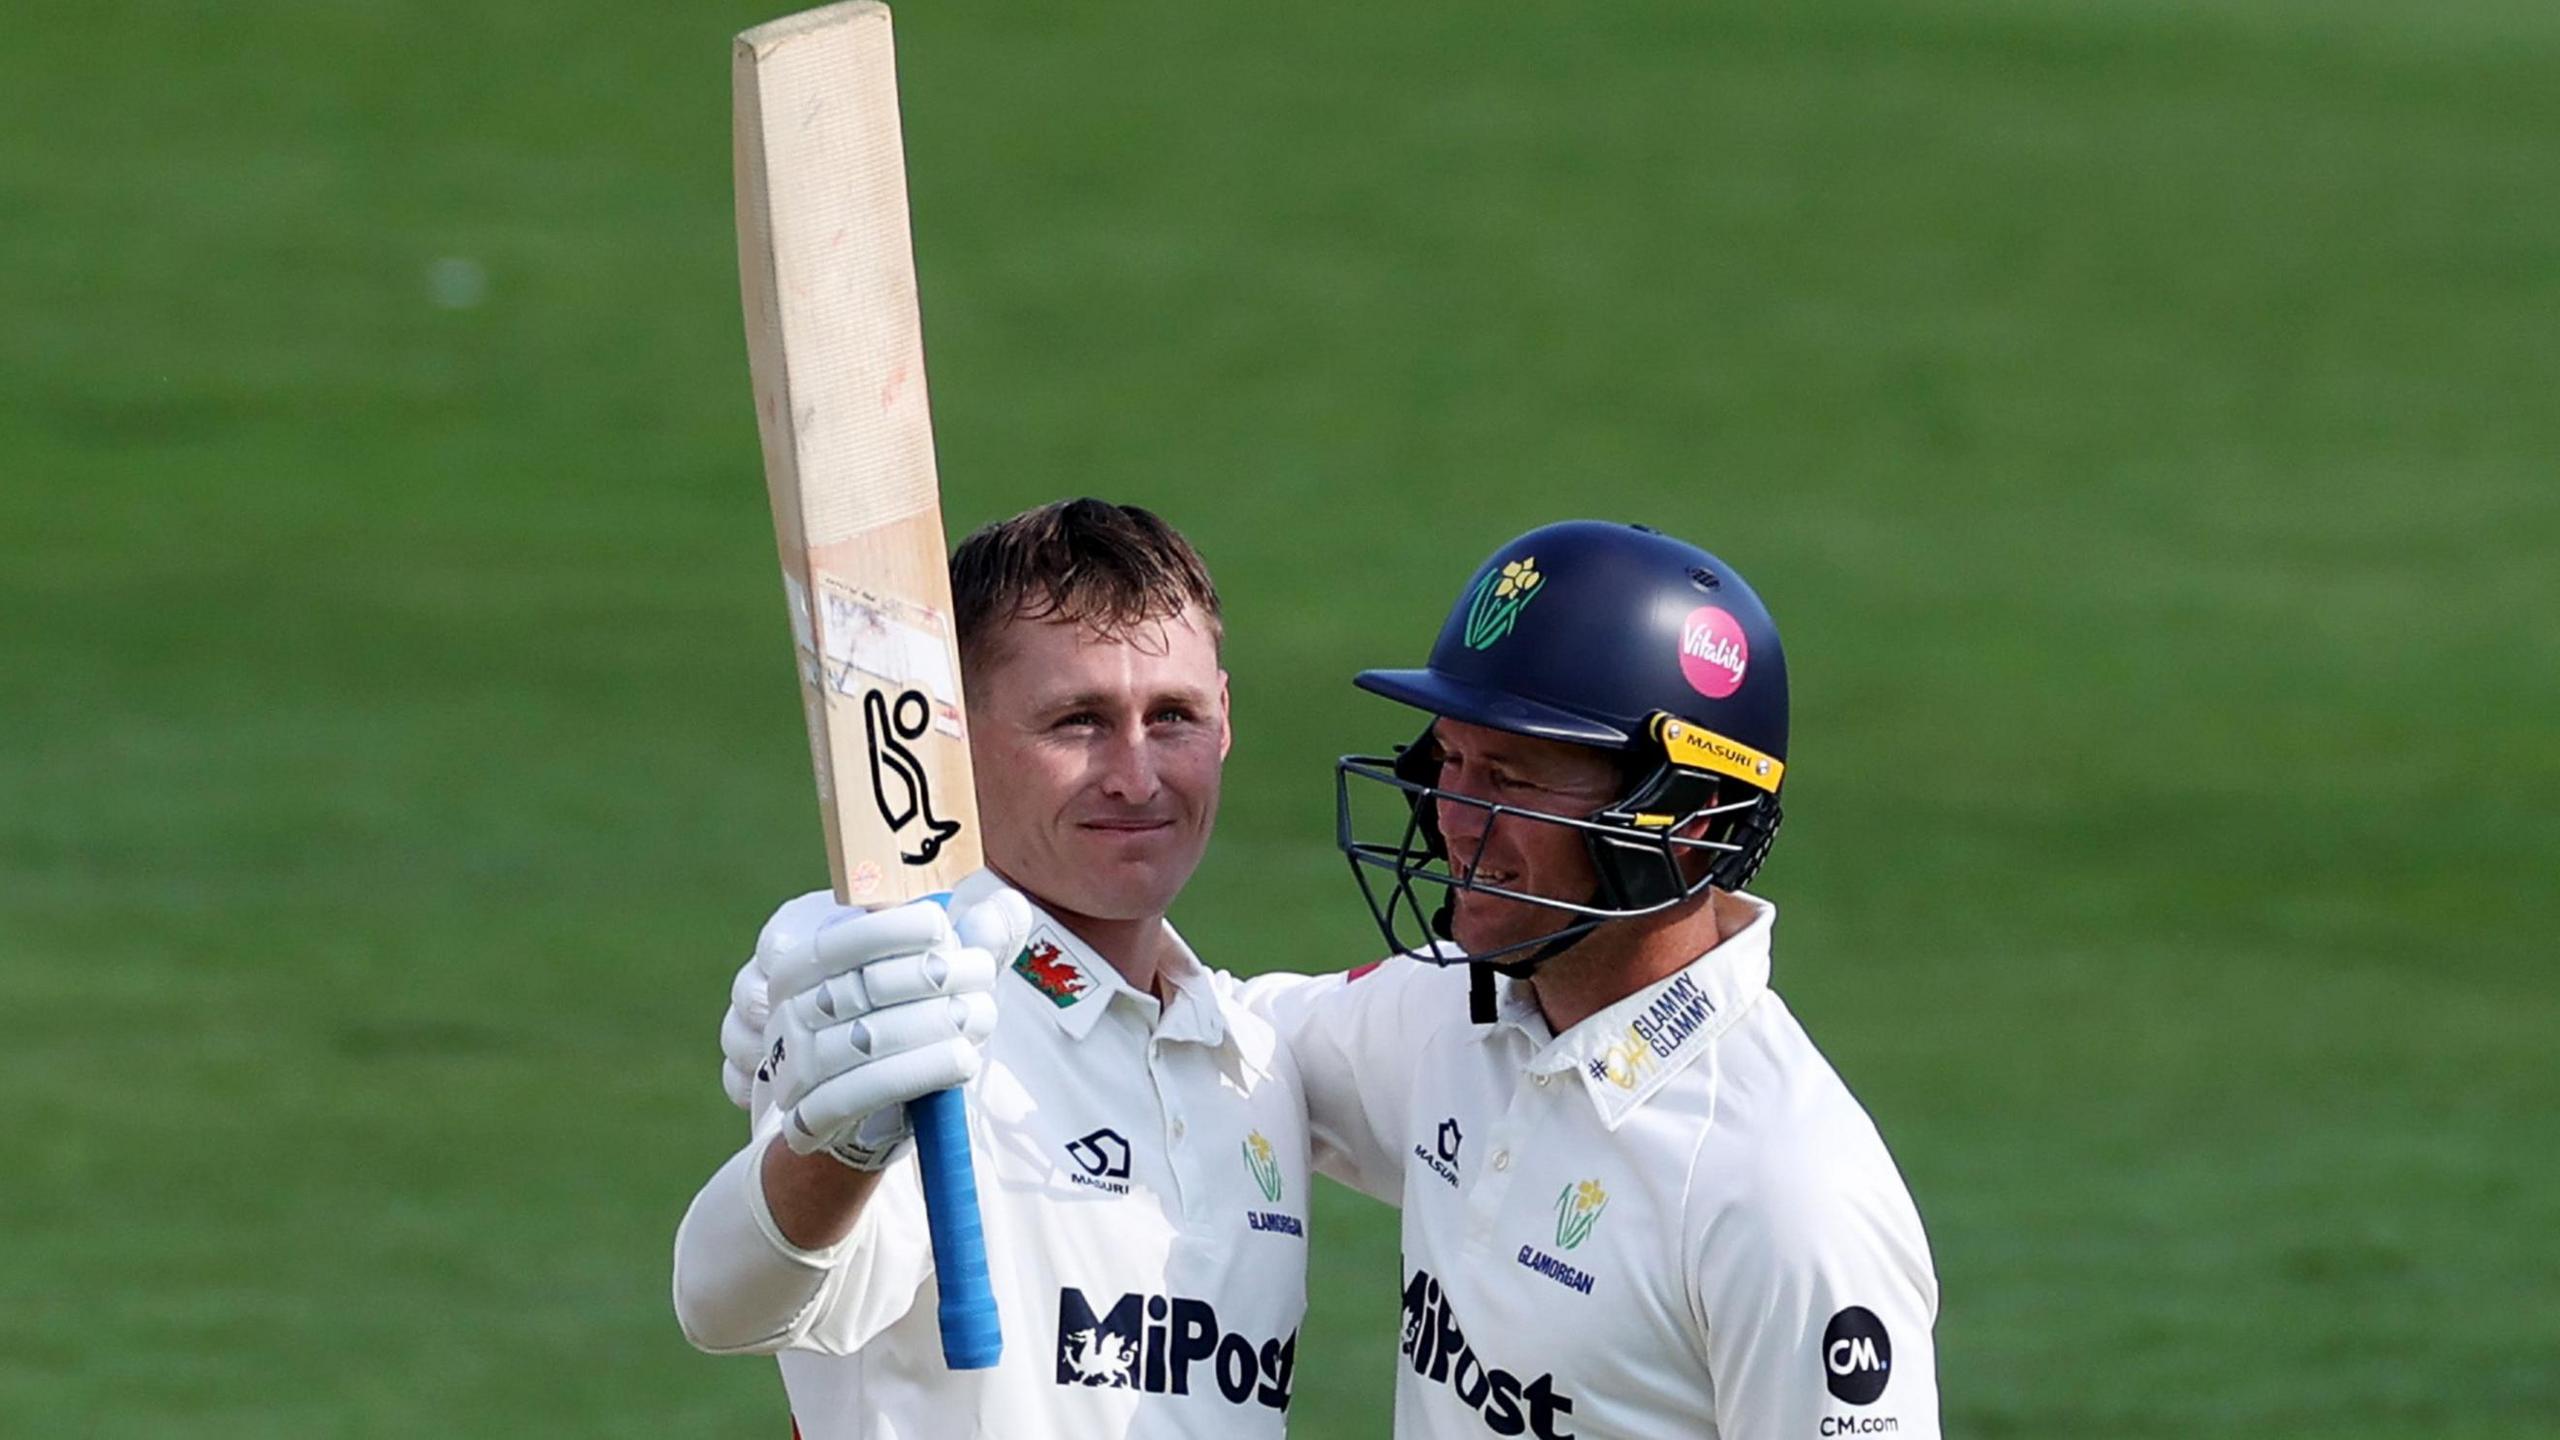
(1816,1297)
(1352,1038)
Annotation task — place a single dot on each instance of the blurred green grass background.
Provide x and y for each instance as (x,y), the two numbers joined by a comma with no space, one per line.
(2139,414)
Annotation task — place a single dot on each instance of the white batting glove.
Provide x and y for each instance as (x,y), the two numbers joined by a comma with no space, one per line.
(742,1036)
(742,1043)
(874,1009)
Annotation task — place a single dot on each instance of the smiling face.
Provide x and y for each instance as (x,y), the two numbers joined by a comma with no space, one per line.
(1526,856)
(1098,756)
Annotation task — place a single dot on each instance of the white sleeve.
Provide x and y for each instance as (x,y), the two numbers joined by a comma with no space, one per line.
(1817,1298)
(1353,1047)
(741,1288)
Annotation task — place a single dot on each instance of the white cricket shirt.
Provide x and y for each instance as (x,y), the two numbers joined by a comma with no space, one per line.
(1672,1220)
(1143,1176)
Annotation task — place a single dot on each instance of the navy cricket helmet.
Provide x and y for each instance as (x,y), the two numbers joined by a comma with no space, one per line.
(1612,636)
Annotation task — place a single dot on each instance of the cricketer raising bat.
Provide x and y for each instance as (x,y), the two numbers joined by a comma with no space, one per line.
(836,347)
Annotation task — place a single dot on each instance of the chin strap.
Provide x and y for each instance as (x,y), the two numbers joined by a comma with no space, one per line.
(1480,973)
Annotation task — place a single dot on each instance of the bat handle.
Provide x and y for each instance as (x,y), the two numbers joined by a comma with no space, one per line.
(972,1338)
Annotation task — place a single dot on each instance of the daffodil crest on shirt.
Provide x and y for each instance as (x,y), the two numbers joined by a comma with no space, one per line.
(1577,1210)
(1264,1165)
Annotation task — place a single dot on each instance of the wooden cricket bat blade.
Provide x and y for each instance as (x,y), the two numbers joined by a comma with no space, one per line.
(835,343)
(827,274)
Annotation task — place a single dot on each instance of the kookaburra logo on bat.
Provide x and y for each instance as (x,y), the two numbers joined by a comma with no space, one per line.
(888,726)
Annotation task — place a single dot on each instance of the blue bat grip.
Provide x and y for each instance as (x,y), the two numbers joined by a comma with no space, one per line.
(972,1337)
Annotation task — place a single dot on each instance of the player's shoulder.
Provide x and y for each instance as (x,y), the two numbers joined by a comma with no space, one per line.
(1405,995)
(1286,997)
(1412,976)
(1789,1144)
(1287,1003)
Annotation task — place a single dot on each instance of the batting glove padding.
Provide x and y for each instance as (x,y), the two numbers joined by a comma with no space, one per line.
(742,1047)
(871,1010)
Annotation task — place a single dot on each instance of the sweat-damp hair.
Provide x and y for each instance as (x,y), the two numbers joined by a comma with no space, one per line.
(1104,566)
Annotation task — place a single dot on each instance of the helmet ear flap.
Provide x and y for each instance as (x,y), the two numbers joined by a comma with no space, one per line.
(1755,831)
(1418,766)
(1643,874)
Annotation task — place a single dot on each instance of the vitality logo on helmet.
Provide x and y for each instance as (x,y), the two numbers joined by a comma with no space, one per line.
(1152,1343)
(1438,1351)
(1714,652)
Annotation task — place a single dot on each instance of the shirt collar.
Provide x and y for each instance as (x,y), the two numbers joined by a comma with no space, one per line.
(1076,986)
(1630,1050)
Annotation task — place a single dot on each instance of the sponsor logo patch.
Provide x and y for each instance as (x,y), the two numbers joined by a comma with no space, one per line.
(1718,755)
(1437,1350)
(1714,653)
(1103,1156)
(1857,1357)
(1445,1163)
(1046,965)
(1156,1343)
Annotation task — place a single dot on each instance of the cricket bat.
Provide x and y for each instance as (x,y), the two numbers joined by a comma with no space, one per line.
(827,274)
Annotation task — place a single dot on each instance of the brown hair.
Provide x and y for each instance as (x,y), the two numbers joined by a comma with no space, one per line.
(1104,566)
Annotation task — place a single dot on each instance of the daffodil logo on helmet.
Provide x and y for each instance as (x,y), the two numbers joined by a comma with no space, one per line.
(1498,600)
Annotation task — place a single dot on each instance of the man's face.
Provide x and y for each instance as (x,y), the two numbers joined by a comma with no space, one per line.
(1517,854)
(1098,759)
